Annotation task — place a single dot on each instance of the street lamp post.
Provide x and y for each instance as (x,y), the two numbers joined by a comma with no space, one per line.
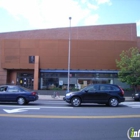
(68,87)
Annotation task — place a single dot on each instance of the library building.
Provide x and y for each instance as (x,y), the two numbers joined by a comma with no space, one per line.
(38,59)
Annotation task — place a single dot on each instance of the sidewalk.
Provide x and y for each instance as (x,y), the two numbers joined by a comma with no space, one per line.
(46,95)
(60,98)
(49,97)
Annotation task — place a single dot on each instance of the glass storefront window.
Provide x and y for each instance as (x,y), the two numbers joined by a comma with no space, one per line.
(49,74)
(82,75)
(63,74)
(49,83)
(49,80)
(105,75)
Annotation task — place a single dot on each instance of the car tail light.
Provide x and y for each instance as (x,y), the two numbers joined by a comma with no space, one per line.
(33,93)
(122,91)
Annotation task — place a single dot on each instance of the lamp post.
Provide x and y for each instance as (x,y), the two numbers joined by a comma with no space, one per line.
(68,87)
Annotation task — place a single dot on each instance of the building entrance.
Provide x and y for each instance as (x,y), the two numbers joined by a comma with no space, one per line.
(25,80)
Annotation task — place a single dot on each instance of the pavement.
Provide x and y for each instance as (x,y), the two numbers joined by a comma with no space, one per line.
(48,95)
(60,98)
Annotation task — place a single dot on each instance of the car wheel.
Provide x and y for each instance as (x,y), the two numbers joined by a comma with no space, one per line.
(75,101)
(113,102)
(21,101)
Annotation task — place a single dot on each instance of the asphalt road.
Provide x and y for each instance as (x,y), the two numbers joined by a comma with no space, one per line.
(57,120)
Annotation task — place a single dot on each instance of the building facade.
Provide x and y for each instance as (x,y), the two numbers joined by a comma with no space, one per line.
(38,59)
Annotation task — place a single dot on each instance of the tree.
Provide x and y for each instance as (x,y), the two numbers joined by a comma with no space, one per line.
(129,65)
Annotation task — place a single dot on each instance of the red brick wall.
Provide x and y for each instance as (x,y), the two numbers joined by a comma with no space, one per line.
(99,32)
(85,54)
(3,73)
(138,42)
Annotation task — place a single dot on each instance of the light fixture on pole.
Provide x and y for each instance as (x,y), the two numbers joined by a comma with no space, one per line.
(68,87)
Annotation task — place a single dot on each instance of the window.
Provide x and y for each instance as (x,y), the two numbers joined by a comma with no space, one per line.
(63,74)
(104,87)
(31,59)
(96,87)
(3,89)
(49,75)
(86,75)
(12,89)
(92,88)
(89,88)
(115,88)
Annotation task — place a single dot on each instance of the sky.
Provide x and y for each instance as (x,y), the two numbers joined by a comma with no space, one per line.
(20,15)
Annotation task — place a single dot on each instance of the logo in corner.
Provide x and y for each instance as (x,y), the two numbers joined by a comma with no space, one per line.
(131,133)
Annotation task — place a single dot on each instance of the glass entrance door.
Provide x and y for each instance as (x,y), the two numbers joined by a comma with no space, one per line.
(25,80)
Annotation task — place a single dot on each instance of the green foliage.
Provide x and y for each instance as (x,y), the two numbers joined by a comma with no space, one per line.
(129,65)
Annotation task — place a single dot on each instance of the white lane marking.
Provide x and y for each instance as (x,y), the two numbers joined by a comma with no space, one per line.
(18,110)
(32,106)
(28,108)
(131,104)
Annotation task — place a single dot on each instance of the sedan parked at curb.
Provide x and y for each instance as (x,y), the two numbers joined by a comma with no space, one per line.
(108,94)
(15,93)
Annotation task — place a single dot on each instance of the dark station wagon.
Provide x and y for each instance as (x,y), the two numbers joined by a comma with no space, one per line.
(108,94)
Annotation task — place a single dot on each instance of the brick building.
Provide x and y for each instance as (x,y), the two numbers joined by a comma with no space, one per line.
(39,58)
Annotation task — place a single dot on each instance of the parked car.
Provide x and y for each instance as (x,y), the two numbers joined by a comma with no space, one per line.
(15,93)
(108,94)
(136,96)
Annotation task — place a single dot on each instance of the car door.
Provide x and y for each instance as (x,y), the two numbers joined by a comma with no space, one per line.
(104,93)
(90,94)
(2,93)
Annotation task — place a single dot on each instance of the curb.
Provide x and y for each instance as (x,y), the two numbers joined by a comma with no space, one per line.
(60,98)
